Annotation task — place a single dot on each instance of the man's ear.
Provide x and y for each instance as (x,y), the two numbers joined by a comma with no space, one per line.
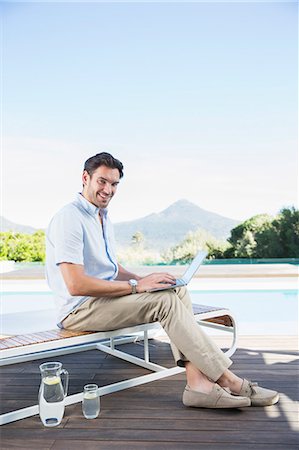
(85,177)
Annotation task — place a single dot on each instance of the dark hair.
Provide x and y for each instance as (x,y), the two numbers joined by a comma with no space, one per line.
(103,159)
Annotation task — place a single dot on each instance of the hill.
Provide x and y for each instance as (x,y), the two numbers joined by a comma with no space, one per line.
(161,230)
(7,225)
(169,227)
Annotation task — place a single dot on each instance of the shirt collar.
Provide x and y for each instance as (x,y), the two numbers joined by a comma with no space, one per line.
(89,207)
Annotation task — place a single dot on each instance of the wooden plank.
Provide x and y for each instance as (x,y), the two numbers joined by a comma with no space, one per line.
(176,413)
(39,444)
(204,436)
(152,416)
(45,336)
(23,339)
(4,344)
(177,424)
(11,342)
(199,309)
(142,445)
(221,320)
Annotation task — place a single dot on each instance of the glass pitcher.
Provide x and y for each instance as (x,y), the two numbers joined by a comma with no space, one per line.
(52,393)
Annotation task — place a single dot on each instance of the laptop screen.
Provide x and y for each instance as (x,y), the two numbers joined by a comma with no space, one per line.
(194,266)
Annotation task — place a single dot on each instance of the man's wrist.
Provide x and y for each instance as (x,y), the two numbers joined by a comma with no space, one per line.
(133,283)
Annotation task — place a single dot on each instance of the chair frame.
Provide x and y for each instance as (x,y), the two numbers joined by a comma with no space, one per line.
(106,342)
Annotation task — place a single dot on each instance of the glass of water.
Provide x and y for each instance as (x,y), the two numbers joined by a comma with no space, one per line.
(91,401)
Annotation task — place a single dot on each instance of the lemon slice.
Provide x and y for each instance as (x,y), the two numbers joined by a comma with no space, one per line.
(90,395)
(52,380)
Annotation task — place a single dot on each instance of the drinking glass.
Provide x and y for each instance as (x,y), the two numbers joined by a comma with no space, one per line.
(91,401)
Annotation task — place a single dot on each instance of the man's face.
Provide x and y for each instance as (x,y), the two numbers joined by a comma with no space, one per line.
(101,186)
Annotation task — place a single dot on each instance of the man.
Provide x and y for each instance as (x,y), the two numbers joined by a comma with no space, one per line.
(95,293)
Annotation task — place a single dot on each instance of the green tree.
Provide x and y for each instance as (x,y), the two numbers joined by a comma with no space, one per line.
(217,249)
(137,253)
(138,239)
(243,236)
(185,251)
(38,246)
(286,231)
(263,236)
(4,237)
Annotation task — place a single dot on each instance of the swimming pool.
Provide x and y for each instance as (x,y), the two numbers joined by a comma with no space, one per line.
(257,311)
(260,306)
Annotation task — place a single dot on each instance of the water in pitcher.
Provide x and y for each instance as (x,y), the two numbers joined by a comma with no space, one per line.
(52,393)
(51,401)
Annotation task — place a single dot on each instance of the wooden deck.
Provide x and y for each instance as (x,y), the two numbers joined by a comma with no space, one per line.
(152,416)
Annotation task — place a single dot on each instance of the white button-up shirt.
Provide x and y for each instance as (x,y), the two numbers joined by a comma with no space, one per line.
(76,235)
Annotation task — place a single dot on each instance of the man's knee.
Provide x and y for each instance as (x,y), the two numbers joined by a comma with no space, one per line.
(183,294)
(181,291)
(161,298)
(164,303)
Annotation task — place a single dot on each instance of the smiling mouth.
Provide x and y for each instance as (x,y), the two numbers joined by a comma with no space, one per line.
(107,197)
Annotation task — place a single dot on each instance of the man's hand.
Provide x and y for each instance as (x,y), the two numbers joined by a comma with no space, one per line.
(154,281)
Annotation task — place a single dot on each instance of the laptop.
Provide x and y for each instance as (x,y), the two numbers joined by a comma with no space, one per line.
(186,278)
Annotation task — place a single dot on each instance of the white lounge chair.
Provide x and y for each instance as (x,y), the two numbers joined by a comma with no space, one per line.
(29,347)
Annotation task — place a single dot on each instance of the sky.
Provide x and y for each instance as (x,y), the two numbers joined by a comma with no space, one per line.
(198,100)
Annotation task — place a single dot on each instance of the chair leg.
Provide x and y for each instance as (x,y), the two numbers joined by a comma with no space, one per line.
(112,343)
(233,346)
(146,346)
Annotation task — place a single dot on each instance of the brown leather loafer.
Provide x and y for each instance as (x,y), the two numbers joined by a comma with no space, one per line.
(217,398)
(259,396)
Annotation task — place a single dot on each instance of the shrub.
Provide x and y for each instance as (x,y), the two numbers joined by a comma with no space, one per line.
(185,251)
(22,246)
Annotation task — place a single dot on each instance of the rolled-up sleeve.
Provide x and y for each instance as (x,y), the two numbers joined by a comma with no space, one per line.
(67,238)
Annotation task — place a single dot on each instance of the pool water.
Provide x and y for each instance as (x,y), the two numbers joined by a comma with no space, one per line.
(257,311)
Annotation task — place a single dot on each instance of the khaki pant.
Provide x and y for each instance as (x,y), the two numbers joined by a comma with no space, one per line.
(172,308)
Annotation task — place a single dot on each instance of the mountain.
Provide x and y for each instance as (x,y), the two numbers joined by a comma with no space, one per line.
(161,230)
(7,225)
(170,226)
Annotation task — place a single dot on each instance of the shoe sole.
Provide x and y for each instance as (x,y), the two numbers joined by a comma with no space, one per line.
(220,406)
(264,402)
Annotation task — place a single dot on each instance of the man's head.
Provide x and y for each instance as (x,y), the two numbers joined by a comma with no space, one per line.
(100,178)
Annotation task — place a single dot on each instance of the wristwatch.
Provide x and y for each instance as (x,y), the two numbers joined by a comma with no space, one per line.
(133,283)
